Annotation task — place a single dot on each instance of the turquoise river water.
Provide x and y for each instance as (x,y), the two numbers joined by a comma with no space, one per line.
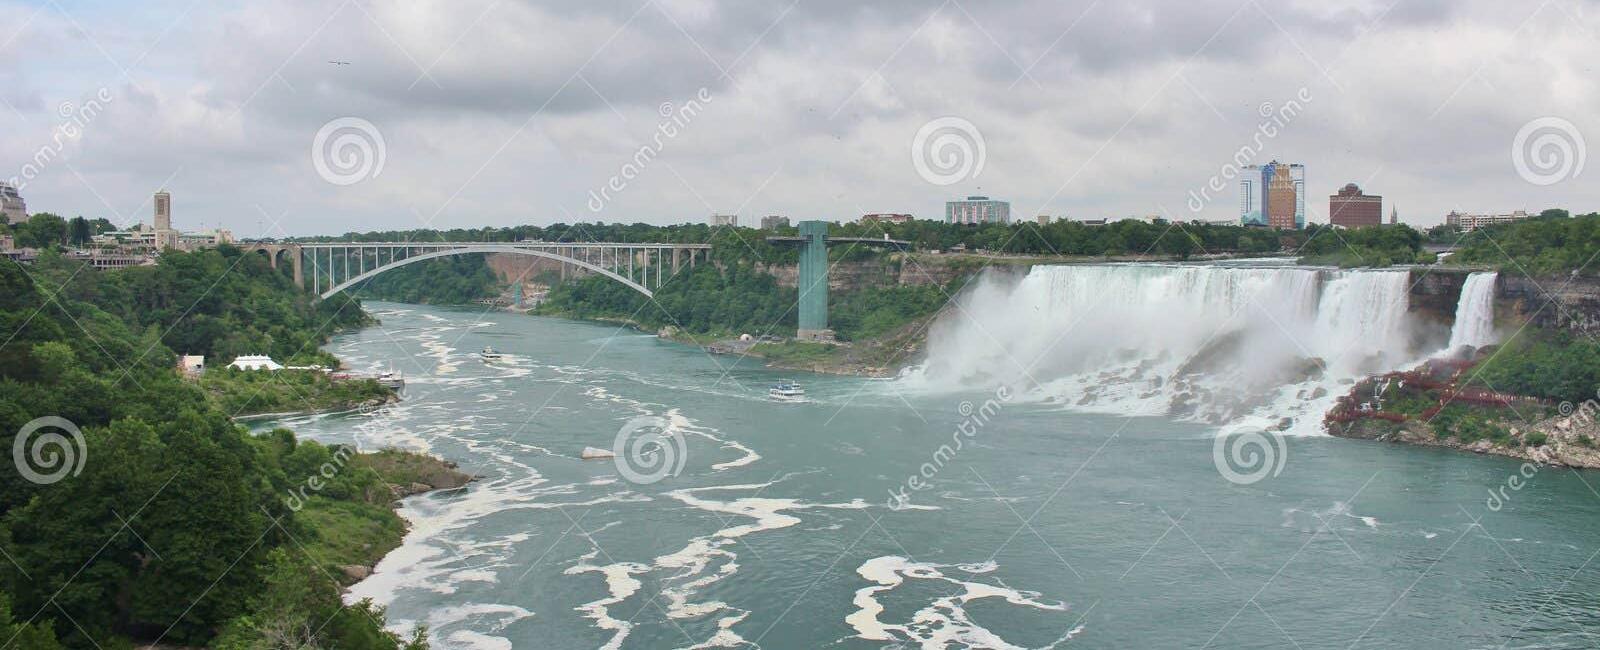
(752,522)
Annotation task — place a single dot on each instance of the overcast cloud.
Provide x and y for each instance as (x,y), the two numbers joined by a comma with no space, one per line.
(501,112)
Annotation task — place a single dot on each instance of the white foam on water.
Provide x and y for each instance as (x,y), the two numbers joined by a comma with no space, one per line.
(944,621)
(677,421)
(440,551)
(469,640)
(620,584)
(495,617)
(703,561)
(1314,520)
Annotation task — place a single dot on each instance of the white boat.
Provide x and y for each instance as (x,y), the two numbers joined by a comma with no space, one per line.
(392,380)
(490,354)
(786,389)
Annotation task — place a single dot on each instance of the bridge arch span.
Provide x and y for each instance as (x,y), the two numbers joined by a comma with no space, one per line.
(467,250)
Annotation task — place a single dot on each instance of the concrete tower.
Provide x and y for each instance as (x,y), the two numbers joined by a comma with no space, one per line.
(163,214)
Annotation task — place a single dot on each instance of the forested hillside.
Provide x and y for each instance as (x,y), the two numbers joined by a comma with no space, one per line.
(162,519)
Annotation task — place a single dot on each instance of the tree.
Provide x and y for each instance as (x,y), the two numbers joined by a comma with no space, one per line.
(43,230)
(33,636)
(80,231)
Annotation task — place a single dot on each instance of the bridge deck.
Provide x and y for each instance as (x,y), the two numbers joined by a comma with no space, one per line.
(467,244)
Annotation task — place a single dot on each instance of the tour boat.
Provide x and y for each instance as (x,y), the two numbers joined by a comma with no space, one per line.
(491,354)
(392,380)
(786,389)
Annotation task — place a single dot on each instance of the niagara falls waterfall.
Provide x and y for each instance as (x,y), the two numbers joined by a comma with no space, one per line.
(1475,313)
(1258,345)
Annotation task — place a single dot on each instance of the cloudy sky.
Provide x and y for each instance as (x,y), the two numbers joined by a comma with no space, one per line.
(501,112)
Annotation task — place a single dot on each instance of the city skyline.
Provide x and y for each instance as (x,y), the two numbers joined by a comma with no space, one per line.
(482,126)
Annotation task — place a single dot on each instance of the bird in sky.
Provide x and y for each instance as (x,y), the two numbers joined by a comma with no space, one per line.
(340,62)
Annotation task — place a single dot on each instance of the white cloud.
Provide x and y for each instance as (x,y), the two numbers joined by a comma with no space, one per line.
(526,106)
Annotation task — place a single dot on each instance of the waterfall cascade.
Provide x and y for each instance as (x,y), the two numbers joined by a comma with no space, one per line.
(1239,345)
(1474,324)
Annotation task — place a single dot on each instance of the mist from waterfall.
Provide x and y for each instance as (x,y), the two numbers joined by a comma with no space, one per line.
(1474,324)
(1239,345)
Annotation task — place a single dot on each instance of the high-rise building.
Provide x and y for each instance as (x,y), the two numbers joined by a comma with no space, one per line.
(163,207)
(976,210)
(1273,195)
(725,220)
(12,205)
(774,222)
(1351,208)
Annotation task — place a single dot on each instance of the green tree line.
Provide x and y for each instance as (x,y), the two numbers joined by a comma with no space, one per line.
(1552,244)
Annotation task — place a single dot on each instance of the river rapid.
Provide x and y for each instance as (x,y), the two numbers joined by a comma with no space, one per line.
(989,513)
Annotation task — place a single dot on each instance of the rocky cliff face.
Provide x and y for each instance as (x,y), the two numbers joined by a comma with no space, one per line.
(1552,302)
(842,276)
(1435,292)
(509,267)
(850,276)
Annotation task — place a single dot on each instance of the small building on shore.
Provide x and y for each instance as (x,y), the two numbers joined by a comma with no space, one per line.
(191,364)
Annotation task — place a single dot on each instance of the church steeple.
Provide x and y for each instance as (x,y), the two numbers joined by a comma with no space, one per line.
(1394,214)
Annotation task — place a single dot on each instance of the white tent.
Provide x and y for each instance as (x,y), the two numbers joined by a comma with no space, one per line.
(255,362)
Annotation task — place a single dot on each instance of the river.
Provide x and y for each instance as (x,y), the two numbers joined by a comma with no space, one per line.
(1047,526)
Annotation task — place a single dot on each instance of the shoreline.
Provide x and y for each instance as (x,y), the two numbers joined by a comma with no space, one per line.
(912,334)
(1563,444)
(458,481)
(393,398)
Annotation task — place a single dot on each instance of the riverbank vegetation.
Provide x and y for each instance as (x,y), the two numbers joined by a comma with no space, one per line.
(220,303)
(455,280)
(167,520)
(253,392)
(708,300)
(1551,244)
(1530,397)
(1550,365)
(1371,246)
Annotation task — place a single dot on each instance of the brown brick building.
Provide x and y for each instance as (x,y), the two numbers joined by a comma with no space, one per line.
(1350,208)
(1282,199)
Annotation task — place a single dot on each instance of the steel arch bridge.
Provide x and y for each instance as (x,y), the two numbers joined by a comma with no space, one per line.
(336,266)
